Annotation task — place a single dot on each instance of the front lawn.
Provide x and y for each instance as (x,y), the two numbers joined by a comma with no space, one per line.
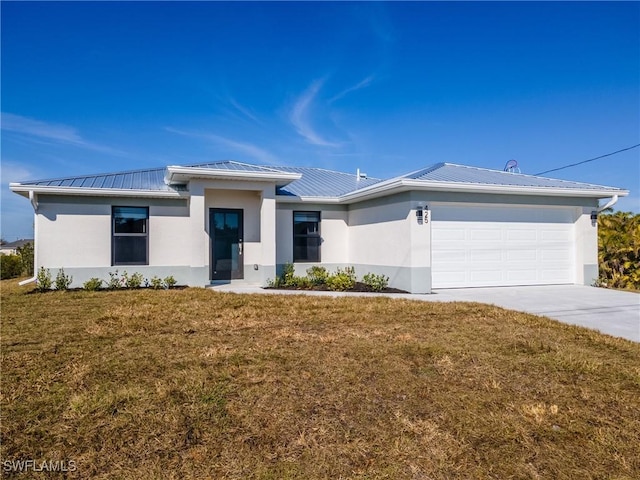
(199,384)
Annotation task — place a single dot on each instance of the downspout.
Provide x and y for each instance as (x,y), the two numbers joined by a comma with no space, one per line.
(34,203)
(610,203)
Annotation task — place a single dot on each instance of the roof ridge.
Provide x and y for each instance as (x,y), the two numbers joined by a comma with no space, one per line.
(321,169)
(328,170)
(423,171)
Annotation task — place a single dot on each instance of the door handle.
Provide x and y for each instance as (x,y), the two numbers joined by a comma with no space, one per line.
(240,247)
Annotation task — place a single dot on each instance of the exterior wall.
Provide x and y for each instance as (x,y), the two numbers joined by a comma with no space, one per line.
(386,238)
(78,233)
(257,200)
(77,237)
(334,232)
(586,246)
(249,202)
(380,236)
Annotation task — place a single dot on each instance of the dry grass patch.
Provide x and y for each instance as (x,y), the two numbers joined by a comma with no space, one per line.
(199,384)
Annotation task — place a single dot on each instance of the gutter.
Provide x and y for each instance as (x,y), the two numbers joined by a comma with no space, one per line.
(29,190)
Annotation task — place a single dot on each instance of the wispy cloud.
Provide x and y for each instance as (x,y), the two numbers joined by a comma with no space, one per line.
(243,110)
(300,113)
(362,84)
(50,132)
(249,149)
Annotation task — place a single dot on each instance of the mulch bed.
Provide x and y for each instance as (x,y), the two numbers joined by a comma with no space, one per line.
(358,287)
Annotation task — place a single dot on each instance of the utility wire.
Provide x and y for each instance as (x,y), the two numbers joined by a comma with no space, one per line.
(590,160)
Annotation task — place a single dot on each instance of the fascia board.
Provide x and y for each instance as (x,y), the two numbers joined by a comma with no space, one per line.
(191,172)
(401,185)
(297,199)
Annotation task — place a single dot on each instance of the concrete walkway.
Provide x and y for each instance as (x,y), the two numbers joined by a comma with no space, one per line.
(612,312)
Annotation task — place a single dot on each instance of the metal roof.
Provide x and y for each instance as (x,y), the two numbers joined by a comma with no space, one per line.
(235,166)
(315,182)
(452,173)
(151,180)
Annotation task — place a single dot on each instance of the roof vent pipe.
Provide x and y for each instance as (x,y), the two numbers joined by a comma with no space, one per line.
(360,175)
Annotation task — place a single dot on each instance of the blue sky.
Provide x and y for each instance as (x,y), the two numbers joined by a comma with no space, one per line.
(384,87)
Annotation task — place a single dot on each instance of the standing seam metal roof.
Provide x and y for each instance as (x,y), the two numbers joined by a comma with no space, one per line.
(449,172)
(315,182)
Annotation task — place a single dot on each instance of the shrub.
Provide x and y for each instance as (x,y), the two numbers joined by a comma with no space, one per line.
(92,284)
(377,283)
(134,281)
(10,266)
(619,250)
(63,281)
(317,275)
(156,283)
(43,280)
(288,275)
(300,282)
(26,255)
(114,281)
(342,279)
(169,282)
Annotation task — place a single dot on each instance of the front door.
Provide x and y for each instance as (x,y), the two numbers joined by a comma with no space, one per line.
(225,225)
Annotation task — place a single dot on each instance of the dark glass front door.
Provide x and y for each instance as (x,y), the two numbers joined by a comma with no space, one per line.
(225,226)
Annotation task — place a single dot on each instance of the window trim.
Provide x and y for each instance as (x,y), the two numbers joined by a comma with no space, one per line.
(318,235)
(114,235)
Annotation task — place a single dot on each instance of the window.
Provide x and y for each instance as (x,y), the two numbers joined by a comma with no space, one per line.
(130,239)
(306,236)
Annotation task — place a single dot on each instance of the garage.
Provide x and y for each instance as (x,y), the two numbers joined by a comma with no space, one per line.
(480,245)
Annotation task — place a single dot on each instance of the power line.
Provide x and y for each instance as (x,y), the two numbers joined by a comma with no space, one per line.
(590,160)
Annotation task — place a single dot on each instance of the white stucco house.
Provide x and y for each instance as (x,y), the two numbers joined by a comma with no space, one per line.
(445,226)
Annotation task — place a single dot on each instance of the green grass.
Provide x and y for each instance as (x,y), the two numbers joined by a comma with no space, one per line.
(198,384)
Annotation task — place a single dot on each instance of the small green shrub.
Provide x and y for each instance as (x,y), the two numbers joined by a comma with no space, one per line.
(301,282)
(43,280)
(133,281)
(377,283)
(169,282)
(288,275)
(10,266)
(92,284)
(317,275)
(342,279)
(156,283)
(63,281)
(114,281)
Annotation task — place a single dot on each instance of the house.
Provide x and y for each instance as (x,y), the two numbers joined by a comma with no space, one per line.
(11,248)
(440,227)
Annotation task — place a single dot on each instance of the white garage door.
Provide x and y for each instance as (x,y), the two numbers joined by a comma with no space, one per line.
(484,246)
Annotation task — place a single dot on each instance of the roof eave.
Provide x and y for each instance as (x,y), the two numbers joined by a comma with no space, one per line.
(24,190)
(179,175)
(306,199)
(401,185)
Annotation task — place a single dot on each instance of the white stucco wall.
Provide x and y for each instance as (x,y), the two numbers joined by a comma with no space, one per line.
(380,232)
(334,232)
(586,235)
(73,235)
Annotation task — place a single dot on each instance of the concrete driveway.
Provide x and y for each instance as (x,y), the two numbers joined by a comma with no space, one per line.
(612,312)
